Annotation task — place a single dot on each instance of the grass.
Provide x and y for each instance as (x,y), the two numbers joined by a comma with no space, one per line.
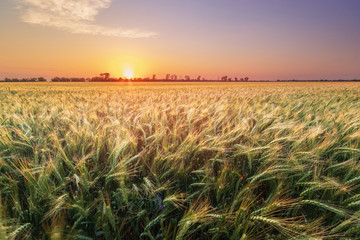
(179,161)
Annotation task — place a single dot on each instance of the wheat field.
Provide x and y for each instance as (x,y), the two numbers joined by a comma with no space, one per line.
(180,161)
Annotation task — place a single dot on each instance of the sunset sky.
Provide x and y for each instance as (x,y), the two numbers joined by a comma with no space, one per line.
(261,39)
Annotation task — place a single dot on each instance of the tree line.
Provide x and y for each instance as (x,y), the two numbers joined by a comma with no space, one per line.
(105,77)
(39,79)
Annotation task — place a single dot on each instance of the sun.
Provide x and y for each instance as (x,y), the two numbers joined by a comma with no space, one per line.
(128,74)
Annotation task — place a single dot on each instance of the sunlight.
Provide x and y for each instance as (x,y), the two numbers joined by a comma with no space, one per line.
(128,74)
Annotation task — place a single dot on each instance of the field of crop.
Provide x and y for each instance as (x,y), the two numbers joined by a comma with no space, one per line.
(177,161)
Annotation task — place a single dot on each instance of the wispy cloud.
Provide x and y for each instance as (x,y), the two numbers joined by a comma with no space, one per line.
(75,16)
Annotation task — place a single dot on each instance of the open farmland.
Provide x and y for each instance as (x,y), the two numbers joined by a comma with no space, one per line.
(180,161)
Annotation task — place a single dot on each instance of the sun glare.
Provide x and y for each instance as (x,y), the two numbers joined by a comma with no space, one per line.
(128,74)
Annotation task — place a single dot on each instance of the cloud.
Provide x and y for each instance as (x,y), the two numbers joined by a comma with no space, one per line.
(75,16)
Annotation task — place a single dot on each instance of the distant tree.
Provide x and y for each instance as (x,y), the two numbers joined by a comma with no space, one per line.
(187,78)
(64,79)
(153,77)
(167,77)
(174,77)
(41,79)
(77,79)
(106,76)
(246,79)
(96,79)
(28,80)
(198,78)
(224,78)
(236,79)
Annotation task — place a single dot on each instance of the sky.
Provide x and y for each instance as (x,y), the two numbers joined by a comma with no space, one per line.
(260,39)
